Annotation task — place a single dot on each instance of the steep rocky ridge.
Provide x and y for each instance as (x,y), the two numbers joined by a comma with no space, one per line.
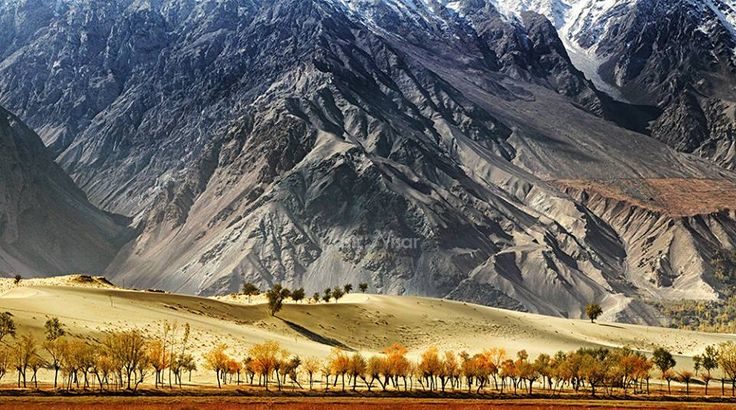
(47,226)
(676,55)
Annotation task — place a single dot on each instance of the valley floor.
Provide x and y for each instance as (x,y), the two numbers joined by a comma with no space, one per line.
(340,403)
(358,323)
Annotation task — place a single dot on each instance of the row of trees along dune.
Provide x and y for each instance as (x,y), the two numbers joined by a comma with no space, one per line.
(118,360)
(590,370)
(278,294)
(124,359)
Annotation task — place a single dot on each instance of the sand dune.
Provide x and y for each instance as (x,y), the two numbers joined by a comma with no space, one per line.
(366,323)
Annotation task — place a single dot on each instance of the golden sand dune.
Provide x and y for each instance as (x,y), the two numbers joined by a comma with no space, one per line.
(367,323)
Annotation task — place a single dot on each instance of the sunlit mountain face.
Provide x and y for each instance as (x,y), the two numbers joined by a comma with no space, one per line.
(535,155)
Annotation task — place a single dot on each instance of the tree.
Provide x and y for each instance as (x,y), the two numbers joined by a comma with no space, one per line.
(291,368)
(543,367)
(593,370)
(7,325)
(266,359)
(339,365)
(16,279)
(188,364)
(357,368)
(697,363)
(430,366)
(217,361)
(250,290)
(397,365)
(159,358)
(450,370)
(665,362)
(348,288)
(55,348)
(727,362)
(54,329)
(311,366)
(686,377)
(316,297)
(625,366)
(337,293)
(377,366)
(363,287)
(127,349)
(180,359)
(708,361)
(5,360)
(298,295)
(327,295)
(593,311)
(276,296)
(25,349)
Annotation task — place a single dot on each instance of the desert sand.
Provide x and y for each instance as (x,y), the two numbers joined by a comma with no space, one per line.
(358,322)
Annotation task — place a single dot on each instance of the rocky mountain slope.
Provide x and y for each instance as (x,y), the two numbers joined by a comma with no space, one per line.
(47,226)
(451,149)
(677,55)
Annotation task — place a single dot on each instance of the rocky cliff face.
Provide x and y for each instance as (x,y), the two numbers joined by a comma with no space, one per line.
(450,150)
(677,55)
(47,226)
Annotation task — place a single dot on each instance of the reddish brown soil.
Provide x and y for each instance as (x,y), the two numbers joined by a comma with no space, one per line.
(231,403)
(671,196)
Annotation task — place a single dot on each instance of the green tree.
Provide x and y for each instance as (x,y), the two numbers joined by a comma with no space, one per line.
(7,325)
(276,296)
(327,295)
(316,297)
(593,311)
(337,293)
(708,361)
(298,295)
(54,329)
(663,359)
(363,287)
(16,279)
(348,288)
(250,290)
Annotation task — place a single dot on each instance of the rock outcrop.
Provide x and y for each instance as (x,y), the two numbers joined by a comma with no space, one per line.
(47,226)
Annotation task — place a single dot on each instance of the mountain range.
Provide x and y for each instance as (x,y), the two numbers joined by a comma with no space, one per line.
(535,155)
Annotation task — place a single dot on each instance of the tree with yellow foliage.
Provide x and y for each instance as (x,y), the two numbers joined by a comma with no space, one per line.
(127,349)
(5,360)
(339,365)
(311,367)
(450,371)
(25,350)
(685,376)
(593,370)
(430,366)
(377,368)
(397,365)
(217,361)
(509,370)
(160,359)
(727,362)
(267,358)
(357,369)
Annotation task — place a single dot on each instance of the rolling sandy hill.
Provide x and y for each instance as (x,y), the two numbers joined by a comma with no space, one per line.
(360,322)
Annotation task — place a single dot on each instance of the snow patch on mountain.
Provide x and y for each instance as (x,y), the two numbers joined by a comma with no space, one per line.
(725,10)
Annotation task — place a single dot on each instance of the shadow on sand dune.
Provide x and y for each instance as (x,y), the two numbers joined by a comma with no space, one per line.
(315,337)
